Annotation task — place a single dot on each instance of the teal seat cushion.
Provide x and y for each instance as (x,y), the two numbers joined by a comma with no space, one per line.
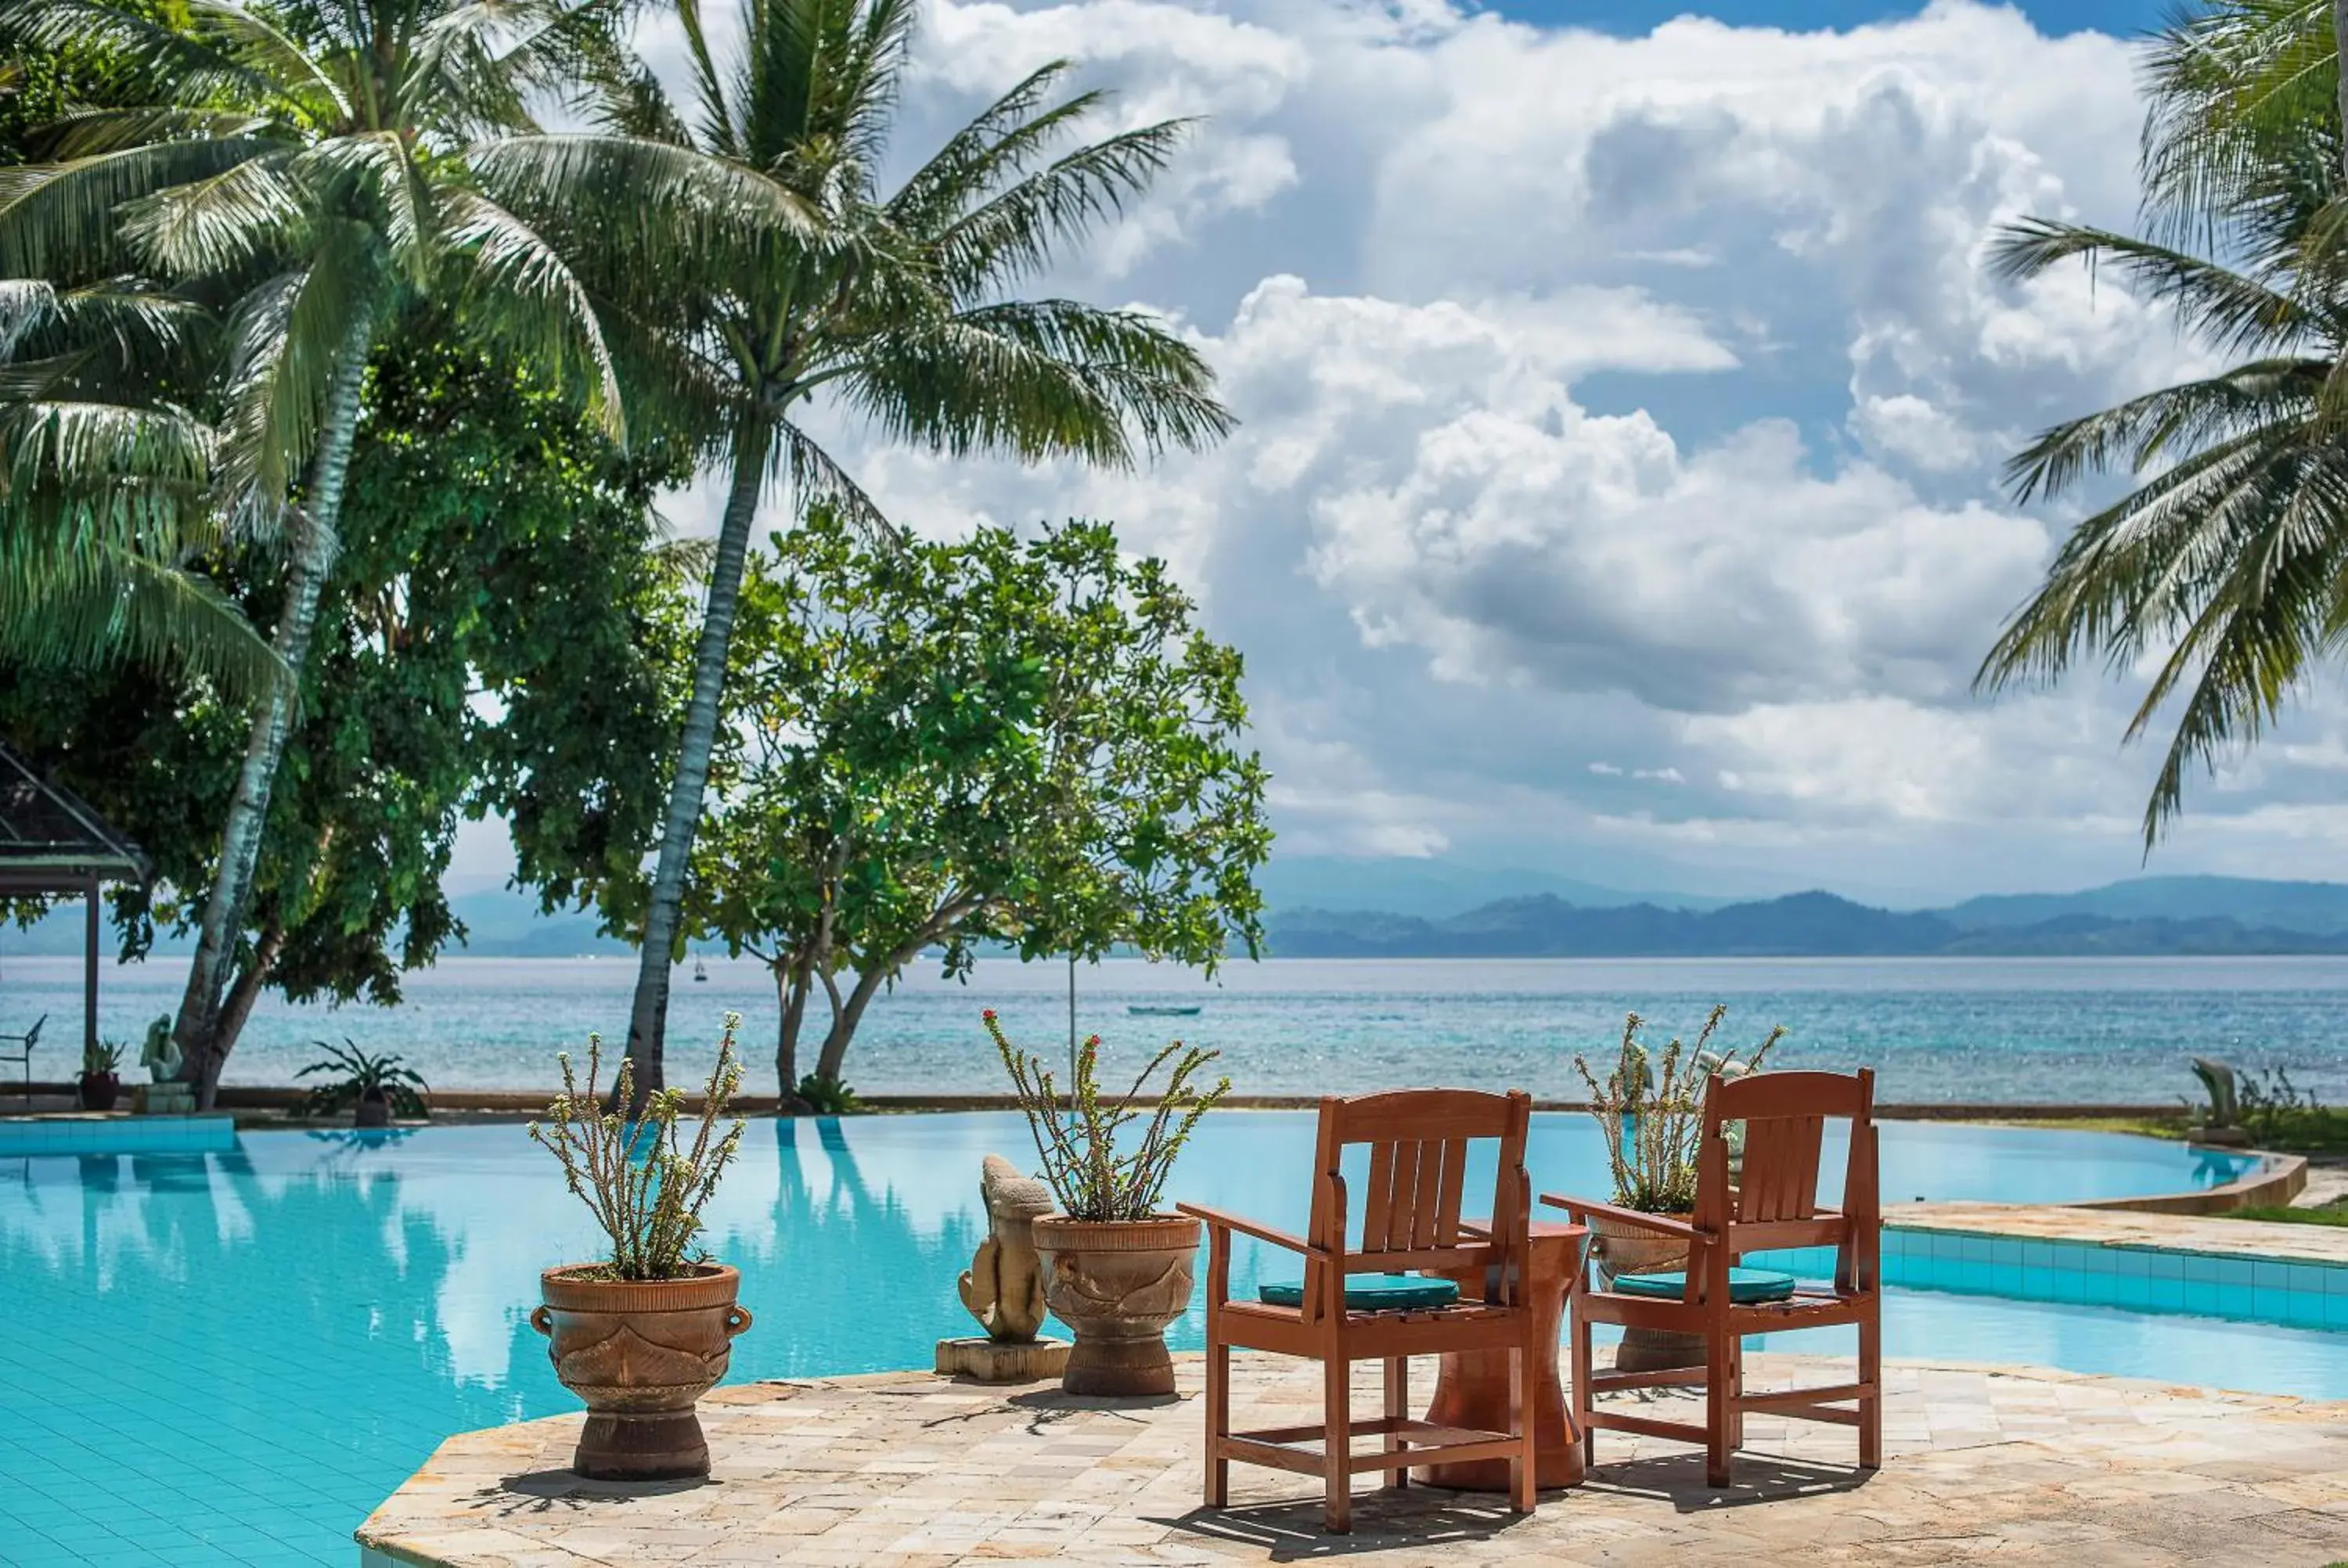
(1746,1286)
(1370,1291)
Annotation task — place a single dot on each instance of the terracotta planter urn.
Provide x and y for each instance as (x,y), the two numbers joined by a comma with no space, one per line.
(374,1110)
(98,1090)
(640,1353)
(1617,1247)
(1117,1284)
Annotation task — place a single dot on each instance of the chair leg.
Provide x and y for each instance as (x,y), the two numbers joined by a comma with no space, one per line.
(1219,1425)
(1397,1409)
(1524,1469)
(1337,1444)
(1580,1400)
(1737,1391)
(1870,1403)
(1719,1403)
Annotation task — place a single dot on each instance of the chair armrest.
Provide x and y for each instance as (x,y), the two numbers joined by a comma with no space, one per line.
(1219,1220)
(1662,1224)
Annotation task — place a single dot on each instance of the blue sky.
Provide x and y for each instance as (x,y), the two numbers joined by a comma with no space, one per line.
(2117,17)
(1622,394)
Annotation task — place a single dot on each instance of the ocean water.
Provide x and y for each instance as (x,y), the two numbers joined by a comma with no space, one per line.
(2111,1031)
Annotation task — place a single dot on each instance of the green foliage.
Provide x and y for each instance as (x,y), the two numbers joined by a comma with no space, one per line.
(495,638)
(748,265)
(2279,1115)
(1653,1122)
(98,375)
(2331,1214)
(645,1185)
(101,1057)
(1078,1139)
(934,745)
(363,1077)
(829,1096)
(2221,568)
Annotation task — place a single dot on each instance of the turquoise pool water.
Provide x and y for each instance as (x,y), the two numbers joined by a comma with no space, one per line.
(229,1356)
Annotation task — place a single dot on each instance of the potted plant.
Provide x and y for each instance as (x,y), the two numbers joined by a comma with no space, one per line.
(1116,1270)
(642,1333)
(1653,1122)
(374,1088)
(99,1083)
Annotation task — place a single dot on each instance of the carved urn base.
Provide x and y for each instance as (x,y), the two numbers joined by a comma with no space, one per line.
(986,1361)
(640,1353)
(1620,1248)
(1117,1284)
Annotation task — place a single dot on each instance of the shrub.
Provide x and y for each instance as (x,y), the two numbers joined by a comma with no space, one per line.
(1078,1142)
(645,1187)
(1651,1123)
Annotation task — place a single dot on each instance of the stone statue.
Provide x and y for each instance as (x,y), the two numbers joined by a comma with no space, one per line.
(2221,1124)
(1003,1286)
(164,1094)
(161,1054)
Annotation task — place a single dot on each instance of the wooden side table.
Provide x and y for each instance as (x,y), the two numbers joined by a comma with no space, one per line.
(1474,1389)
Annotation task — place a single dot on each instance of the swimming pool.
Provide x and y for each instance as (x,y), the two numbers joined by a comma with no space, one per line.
(231,1355)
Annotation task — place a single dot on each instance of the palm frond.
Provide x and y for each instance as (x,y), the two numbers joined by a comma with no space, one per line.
(2146,430)
(251,212)
(1018,232)
(539,303)
(58,221)
(2226,309)
(285,340)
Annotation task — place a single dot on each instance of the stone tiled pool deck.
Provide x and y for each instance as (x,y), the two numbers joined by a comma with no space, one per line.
(906,1471)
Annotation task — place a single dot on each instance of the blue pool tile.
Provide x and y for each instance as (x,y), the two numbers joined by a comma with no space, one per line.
(2200,1265)
(2167,1265)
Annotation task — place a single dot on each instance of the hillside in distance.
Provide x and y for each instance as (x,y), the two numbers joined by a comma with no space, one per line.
(1802,924)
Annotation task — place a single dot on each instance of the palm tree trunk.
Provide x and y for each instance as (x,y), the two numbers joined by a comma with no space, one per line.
(2340,57)
(197,1030)
(648,1022)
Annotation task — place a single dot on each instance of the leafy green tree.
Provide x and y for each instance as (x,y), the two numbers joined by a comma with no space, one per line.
(498,633)
(2228,560)
(306,166)
(746,261)
(946,745)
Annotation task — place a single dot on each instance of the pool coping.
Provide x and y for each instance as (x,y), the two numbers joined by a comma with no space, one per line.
(2130,1230)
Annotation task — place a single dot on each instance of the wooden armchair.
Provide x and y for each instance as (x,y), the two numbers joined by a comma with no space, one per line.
(1418,1142)
(1773,1205)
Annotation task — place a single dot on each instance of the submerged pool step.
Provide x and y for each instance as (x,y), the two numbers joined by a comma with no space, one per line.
(2292,1293)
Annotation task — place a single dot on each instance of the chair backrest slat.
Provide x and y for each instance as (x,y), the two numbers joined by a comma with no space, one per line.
(1419,1142)
(1377,1215)
(1780,1179)
(1784,1116)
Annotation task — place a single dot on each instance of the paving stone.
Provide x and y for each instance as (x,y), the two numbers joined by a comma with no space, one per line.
(906,1471)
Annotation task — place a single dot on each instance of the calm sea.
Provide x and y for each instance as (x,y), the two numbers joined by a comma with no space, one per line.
(2108,1029)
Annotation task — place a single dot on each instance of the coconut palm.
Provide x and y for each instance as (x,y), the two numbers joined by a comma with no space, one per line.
(104,493)
(2229,560)
(305,170)
(897,309)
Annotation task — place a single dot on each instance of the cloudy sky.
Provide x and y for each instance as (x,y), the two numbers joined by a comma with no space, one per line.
(1622,401)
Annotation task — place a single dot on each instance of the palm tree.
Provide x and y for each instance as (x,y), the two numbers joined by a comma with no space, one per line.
(894,307)
(103,493)
(305,169)
(2229,561)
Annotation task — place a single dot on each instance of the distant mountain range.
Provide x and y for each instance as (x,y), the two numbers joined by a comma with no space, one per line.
(2150,915)
(1334,907)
